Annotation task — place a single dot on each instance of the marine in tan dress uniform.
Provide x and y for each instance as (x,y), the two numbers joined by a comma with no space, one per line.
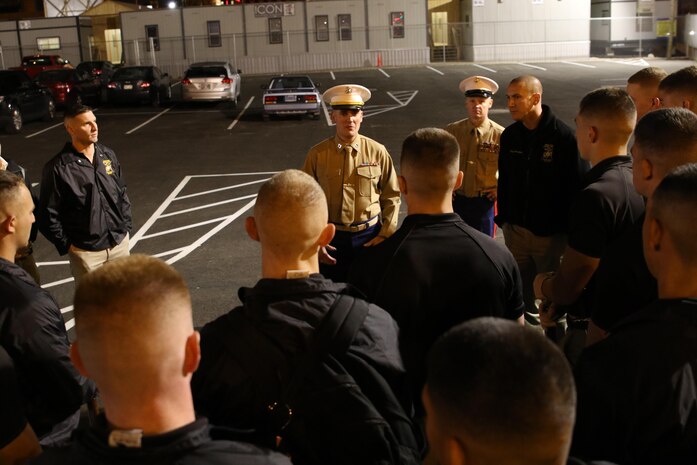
(478,138)
(359,180)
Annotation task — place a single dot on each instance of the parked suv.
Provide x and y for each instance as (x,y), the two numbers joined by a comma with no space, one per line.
(34,64)
(22,99)
(211,81)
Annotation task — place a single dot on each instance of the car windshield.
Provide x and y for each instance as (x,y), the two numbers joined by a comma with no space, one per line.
(36,62)
(206,71)
(54,75)
(291,83)
(132,73)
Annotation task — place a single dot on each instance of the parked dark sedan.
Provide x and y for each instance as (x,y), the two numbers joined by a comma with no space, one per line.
(71,86)
(21,100)
(135,84)
(99,69)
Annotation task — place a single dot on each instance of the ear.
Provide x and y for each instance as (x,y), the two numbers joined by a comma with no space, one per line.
(655,234)
(192,353)
(76,358)
(327,235)
(402,181)
(536,98)
(458,181)
(250,225)
(645,168)
(455,452)
(7,226)
(593,134)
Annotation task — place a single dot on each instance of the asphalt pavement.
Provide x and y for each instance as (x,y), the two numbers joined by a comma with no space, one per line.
(193,170)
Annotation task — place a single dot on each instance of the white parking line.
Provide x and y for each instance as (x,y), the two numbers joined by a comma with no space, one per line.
(583,65)
(184,228)
(383,72)
(69,324)
(533,66)
(436,71)
(213,191)
(331,73)
(67,309)
(484,67)
(57,283)
(232,125)
(62,262)
(150,120)
(43,130)
(209,205)
(326,114)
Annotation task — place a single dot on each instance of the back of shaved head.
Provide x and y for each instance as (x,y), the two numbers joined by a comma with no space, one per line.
(613,111)
(683,82)
(649,76)
(132,316)
(668,138)
(430,162)
(290,213)
(674,205)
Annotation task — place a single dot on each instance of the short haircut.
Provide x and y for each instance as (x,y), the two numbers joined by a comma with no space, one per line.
(683,81)
(668,137)
(431,159)
(9,188)
(674,205)
(500,383)
(531,83)
(75,110)
(649,76)
(126,294)
(611,103)
(290,212)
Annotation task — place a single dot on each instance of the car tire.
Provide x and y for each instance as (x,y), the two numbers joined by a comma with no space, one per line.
(50,110)
(168,93)
(15,124)
(265,116)
(315,115)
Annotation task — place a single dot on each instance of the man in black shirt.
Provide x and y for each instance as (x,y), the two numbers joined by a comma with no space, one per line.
(664,139)
(539,174)
(637,393)
(32,329)
(605,207)
(435,271)
(83,207)
(138,343)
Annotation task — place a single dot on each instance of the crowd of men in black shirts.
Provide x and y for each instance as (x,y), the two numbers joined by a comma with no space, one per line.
(434,329)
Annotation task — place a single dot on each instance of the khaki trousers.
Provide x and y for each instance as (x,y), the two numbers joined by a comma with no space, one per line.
(83,261)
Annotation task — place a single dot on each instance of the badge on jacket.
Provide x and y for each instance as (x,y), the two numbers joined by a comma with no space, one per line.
(107,166)
(547,152)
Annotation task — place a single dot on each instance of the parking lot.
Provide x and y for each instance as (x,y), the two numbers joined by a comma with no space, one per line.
(193,170)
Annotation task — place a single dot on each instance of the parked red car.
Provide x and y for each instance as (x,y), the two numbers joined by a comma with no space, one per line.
(69,86)
(34,64)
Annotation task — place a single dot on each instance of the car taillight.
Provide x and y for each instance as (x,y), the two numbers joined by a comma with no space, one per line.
(310,98)
(144,85)
(226,80)
(111,85)
(96,71)
(270,99)
(186,82)
(61,85)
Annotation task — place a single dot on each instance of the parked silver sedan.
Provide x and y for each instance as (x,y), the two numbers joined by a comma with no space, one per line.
(288,95)
(211,81)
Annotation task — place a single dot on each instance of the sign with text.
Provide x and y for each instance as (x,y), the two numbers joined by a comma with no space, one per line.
(273,10)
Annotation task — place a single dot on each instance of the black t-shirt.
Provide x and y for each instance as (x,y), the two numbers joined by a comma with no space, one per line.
(637,389)
(602,211)
(623,282)
(433,273)
(12,419)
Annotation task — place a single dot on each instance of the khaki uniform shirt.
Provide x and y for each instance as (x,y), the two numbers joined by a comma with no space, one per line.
(358,187)
(479,155)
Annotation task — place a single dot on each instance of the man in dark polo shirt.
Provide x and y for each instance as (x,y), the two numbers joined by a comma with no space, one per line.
(637,393)
(436,271)
(603,209)
(539,175)
(664,139)
(679,89)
